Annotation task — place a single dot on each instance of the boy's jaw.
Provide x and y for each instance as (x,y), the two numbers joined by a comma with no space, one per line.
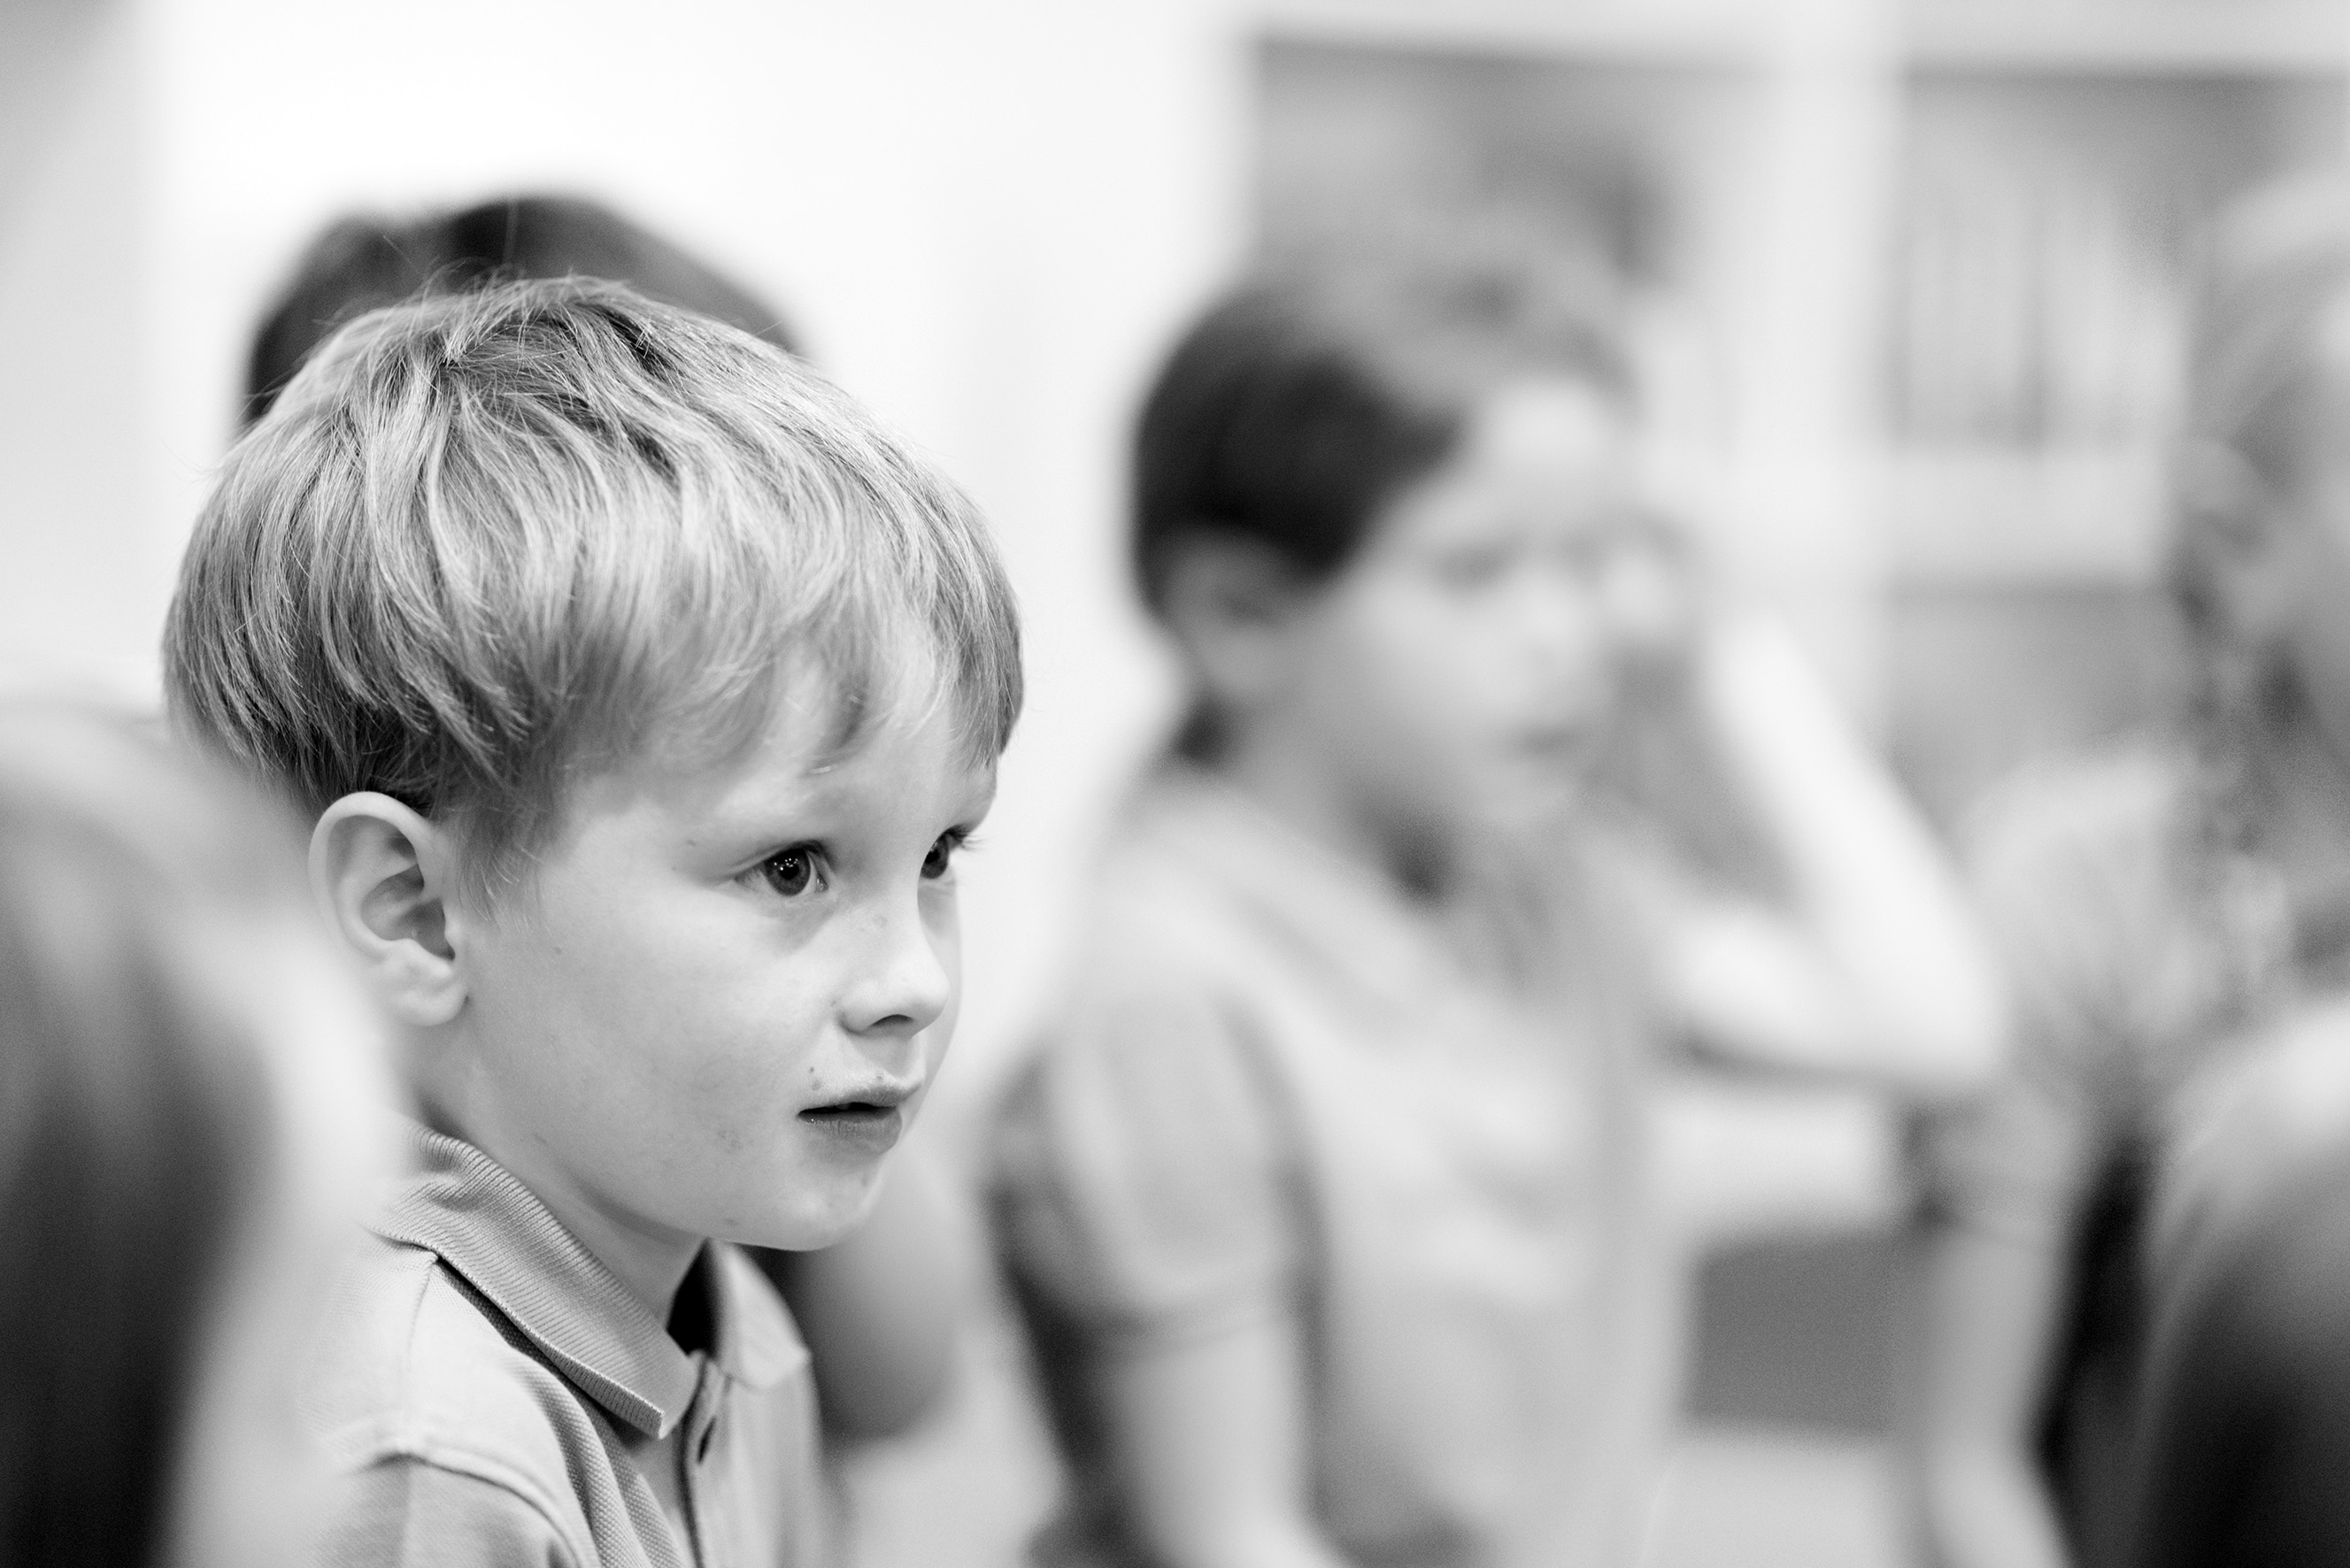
(843,1141)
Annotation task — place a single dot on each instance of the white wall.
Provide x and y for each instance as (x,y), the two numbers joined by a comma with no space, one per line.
(83,568)
(984,219)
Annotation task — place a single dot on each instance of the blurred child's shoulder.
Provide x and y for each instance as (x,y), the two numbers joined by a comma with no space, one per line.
(414,1368)
(1172,877)
(1193,927)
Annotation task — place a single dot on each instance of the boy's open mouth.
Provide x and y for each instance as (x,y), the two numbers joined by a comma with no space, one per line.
(850,1111)
(869,1122)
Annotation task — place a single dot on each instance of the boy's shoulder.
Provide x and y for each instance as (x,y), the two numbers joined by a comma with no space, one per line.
(415,1369)
(492,1389)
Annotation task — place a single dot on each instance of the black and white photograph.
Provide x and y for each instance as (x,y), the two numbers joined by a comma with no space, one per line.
(1175,783)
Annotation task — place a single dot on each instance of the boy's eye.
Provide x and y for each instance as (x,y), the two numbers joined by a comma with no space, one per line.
(940,859)
(791,872)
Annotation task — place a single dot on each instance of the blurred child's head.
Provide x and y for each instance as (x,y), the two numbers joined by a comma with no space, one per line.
(641,690)
(2260,552)
(363,264)
(1379,509)
(186,1093)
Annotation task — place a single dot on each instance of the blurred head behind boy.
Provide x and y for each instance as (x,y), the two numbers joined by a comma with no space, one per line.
(186,1103)
(641,692)
(364,262)
(1388,512)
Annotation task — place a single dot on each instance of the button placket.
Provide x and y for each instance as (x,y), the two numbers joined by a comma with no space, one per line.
(701,1439)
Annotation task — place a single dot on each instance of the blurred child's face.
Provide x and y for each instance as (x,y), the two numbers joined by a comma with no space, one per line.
(1459,670)
(722,1001)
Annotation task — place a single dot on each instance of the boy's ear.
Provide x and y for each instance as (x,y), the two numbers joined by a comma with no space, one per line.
(382,874)
(1232,604)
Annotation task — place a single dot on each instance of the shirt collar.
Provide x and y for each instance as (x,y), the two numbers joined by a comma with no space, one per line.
(495,1233)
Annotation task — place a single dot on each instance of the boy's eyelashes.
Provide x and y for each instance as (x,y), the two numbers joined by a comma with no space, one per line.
(802,869)
(940,859)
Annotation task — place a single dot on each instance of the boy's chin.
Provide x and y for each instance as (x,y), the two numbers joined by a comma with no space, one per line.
(817,1218)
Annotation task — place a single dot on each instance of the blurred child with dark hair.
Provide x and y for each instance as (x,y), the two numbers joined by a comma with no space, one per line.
(2155,909)
(188,1097)
(1326,1198)
(362,263)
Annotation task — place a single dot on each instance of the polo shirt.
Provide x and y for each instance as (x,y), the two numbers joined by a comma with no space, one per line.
(497,1396)
(1277,1088)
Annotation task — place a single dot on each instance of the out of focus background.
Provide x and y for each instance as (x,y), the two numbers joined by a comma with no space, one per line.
(1911,294)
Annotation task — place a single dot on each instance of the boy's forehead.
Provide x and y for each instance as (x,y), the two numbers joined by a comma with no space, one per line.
(816,747)
(823,738)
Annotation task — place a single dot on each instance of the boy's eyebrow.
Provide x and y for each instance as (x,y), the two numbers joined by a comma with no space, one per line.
(818,786)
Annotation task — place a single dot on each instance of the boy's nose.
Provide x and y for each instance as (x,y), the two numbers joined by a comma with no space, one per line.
(903,984)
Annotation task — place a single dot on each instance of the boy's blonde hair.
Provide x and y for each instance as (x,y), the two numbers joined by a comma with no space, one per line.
(489,544)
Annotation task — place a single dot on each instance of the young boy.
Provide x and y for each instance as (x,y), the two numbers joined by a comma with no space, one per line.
(641,692)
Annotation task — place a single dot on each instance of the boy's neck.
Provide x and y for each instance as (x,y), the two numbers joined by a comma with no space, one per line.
(652,1261)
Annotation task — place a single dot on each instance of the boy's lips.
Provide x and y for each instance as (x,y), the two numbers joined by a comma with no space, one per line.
(887,1094)
(868,1120)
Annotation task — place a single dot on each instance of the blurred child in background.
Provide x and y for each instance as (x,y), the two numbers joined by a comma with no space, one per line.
(187,1104)
(364,262)
(2152,909)
(1325,1200)
(880,1309)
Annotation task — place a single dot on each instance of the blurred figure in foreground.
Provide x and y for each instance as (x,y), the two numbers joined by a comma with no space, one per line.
(1326,1200)
(881,1310)
(2151,907)
(2244,1414)
(187,1101)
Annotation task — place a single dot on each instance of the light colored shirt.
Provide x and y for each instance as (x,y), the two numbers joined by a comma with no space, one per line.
(1279,1087)
(498,1396)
